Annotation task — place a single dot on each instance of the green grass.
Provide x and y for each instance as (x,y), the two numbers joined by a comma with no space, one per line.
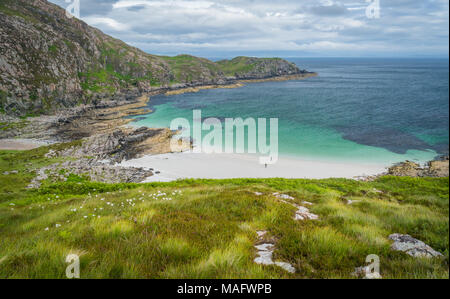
(188,68)
(238,65)
(209,230)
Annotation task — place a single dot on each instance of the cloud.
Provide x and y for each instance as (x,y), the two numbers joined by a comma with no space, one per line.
(111,23)
(320,27)
(90,7)
(329,10)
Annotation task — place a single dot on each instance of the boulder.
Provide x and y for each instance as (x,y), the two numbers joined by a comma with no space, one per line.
(412,247)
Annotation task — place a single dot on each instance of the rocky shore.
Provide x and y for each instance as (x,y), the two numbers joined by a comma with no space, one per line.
(436,169)
(98,136)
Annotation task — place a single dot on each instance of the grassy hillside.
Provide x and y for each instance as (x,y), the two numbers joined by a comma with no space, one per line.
(207,228)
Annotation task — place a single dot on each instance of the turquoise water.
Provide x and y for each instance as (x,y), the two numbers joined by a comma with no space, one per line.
(363,110)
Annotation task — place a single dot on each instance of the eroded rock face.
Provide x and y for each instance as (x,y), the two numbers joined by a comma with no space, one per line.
(259,68)
(95,170)
(438,168)
(49,62)
(46,60)
(116,146)
(413,247)
(407,168)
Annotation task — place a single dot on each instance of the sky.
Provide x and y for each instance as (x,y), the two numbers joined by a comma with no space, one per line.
(284,28)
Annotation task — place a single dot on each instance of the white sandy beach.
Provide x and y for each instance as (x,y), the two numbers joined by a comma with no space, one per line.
(225,166)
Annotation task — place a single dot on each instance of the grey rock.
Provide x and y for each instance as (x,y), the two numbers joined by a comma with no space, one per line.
(283,196)
(302,213)
(412,247)
(96,171)
(265,254)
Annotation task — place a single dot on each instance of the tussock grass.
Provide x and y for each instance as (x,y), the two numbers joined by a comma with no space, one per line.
(208,228)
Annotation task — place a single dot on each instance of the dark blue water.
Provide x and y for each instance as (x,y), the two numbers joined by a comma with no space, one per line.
(371,110)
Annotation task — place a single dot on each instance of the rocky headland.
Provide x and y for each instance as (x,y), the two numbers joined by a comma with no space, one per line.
(62,80)
(49,62)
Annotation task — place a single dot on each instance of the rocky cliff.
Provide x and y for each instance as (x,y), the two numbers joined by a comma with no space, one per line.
(242,68)
(48,61)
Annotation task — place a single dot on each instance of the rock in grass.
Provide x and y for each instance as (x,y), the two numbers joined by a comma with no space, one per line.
(286,266)
(304,214)
(283,196)
(413,247)
(265,254)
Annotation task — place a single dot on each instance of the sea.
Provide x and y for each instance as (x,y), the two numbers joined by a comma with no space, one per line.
(368,110)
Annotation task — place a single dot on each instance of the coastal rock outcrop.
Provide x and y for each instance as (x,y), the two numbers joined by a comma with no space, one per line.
(91,168)
(116,146)
(244,68)
(49,62)
(437,168)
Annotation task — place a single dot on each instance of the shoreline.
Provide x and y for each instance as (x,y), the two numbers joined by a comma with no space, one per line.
(238,83)
(188,165)
(153,152)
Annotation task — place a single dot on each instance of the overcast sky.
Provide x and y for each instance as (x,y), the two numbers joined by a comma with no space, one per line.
(289,28)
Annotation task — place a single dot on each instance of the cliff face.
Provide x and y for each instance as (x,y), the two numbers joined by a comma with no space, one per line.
(48,61)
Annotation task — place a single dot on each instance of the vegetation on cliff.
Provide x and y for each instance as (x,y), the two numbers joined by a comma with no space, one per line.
(257,68)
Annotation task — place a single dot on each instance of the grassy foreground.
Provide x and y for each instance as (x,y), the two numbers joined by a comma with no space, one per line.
(207,228)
